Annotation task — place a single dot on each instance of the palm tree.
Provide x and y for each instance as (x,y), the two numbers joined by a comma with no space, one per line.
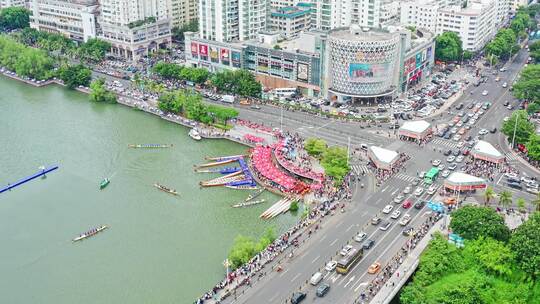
(488,195)
(536,202)
(505,198)
(521,204)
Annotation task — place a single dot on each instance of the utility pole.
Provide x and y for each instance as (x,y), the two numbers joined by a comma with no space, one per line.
(515,127)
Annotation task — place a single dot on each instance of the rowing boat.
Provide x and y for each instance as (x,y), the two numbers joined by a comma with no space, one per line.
(254,194)
(150,145)
(240,205)
(90,233)
(104,183)
(165,189)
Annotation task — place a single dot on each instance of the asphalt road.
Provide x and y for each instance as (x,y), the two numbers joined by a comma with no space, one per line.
(325,244)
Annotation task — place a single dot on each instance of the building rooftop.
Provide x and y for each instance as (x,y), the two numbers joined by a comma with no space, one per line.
(292,11)
(361,34)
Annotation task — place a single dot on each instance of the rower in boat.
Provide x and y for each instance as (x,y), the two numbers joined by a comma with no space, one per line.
(165,189)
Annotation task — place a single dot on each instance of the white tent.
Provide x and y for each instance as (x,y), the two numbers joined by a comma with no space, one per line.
(464,182)
(418,129)
(383,158)
(486,151)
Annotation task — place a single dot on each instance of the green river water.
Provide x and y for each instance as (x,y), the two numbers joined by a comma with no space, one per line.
(159,248)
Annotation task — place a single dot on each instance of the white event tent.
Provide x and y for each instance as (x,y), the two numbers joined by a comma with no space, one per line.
(382,158)
(459,181)
(486,151)
(418,129)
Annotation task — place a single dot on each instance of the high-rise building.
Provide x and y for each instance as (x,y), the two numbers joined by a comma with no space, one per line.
(420,13)
(135,27)
(75,19)
(331,14)
(10,3)
(183,11)
(290,21)
(232,20)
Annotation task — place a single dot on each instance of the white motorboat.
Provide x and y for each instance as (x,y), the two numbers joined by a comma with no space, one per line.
(194,134)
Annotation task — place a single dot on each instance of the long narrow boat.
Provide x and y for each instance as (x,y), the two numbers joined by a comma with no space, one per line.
(242,187)
(150,145)
(240,205)
(104,183)
(90,233)
(254,194)
(165,189)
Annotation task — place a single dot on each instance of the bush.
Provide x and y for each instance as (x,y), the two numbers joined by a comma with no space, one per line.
(75,75)
(99,93)
(294,206)
(245,248)
(474,222)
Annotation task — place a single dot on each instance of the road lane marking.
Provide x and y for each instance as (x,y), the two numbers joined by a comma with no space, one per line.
(332,244)
(322,238)
(339,224)
(271,300)
(315,259)
(284,272)
(349,228)
(364,213)
(350,280)
(385,188)
(393,193)
(295,277)
(360,285)
(378,201)
(334,279)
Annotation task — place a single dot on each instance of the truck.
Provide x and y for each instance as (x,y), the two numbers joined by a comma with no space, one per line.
(228,98)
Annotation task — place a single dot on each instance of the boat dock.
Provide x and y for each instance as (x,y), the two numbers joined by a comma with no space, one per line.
(29,178)
(235,177)
(278,208)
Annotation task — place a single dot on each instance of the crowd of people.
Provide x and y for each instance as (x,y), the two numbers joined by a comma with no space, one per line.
(384,174)
(391,267)
(486,169)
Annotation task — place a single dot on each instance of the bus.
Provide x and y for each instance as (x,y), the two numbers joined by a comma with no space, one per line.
(285,92)
(347,262)
(431,176)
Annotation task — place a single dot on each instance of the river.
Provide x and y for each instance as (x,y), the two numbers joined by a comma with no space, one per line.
(159,248)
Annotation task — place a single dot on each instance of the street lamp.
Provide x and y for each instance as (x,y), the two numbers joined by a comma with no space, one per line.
(515,128)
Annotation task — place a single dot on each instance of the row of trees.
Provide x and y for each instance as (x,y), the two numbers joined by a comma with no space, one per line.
(25,61)
(505,200)
(191,105)
(245,248)
(174,71)
(495,266)
(13,18)
(99,93)
(74,75)
(519,125)
(93,50)
(334,159)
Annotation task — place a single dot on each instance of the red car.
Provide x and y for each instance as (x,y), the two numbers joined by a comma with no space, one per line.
(406,204)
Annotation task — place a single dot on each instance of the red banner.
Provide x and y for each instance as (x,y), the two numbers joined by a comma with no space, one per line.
(203,49)
(225,54)
(194,48)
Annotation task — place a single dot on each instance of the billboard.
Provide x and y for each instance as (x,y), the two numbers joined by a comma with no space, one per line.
(302,71)
(214,54)
(203,49)
(418,60)
(225,57)
(235,57)
(428,55)
(365,72)
(194,49)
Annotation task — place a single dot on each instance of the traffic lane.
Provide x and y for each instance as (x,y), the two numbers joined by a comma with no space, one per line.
(348,287)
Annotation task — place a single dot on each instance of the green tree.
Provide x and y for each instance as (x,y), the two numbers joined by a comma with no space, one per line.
(448,47)
(335,163)
(244,248)
(533,147)
(536,202)
(167,70)
(12,18)
(223,114)
(521,204)
(294,206)
(534,51)
(533,108)
(525,243)
(94,50)
(75,75)
(491,255)
(528,85)
(488,195)
(239,82)
(523,127)
(98,92)
(505,199)
(503,45)
(178,32)
(315,146)
(473,222)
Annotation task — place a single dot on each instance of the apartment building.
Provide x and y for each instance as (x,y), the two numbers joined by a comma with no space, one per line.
(290,21)
(232,20)
(75,19)
(183,11)
(10,3)
(421,14)
(135,28)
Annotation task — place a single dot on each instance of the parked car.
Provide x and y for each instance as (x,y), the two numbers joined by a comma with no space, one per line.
(368,244)
(297,297)
(405,220)
(331,266)
(395,214)
(322,290)
(374,268)
(345,250)
(388,209)
(419,205)
(361,236)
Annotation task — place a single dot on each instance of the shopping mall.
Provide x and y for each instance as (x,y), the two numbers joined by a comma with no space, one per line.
(345,64)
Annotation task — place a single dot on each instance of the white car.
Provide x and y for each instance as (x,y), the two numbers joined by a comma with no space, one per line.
(398,199)
(504,85)
(456,137)
(532,190)
(460,144)
(387,209)
(506,119)
(405,219)
(407,190)
(431,190)
(483,132)
(450,158)
(436,162)
(445,173)
(526,179)
(441,167)
(418,191)
(346,250)
(511,175)
(484,93)
(360,237)
(472,122)
(330,266)
(395,214)
(459,159)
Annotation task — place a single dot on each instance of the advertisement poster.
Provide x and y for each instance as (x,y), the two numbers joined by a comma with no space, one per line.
(410,65)
(214,54)
(428,55)
(418,60)
(235,57)
(194,49)
(302,72)
(225,57)
(365,72)
(203,49)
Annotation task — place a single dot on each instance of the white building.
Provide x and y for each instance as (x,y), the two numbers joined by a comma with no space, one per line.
(290,21)
(421,14)
(10,3)
(332,14)
(474,24)
(183,11)
(232,20)
(75,19)
(135,27)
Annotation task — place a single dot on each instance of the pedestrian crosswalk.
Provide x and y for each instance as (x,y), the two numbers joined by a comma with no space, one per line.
(511,157)
(405,177)
(445,143)
(358,169)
